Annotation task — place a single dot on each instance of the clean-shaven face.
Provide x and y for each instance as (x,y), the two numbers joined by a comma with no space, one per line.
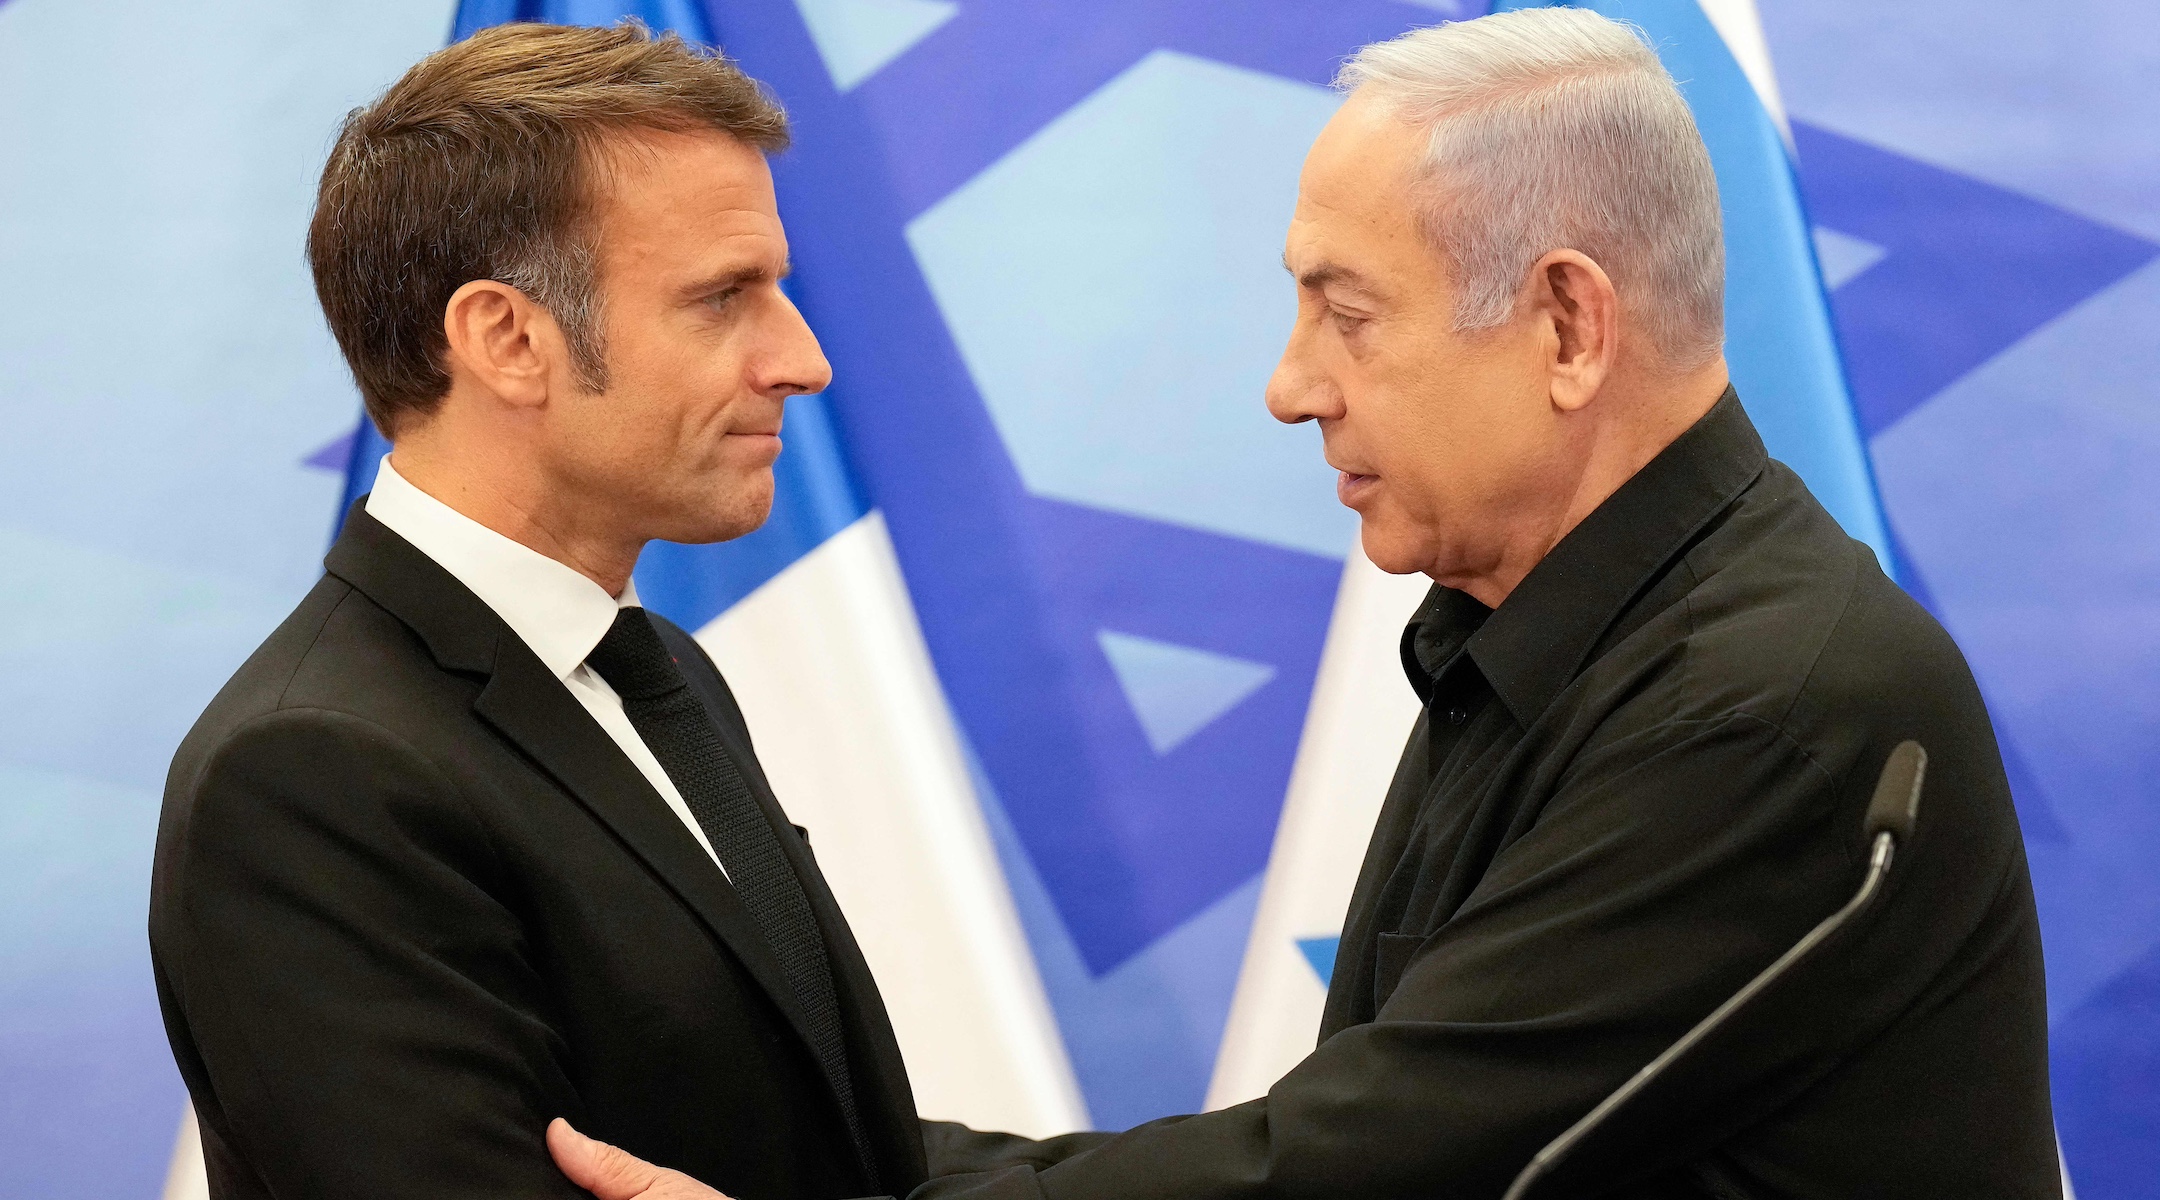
(702,347)
(1440,437)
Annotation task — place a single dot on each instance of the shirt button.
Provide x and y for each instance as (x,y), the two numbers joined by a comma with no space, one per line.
(1456,716)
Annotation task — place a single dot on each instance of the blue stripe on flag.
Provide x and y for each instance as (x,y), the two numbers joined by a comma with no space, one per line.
(1320,952)
(368,448)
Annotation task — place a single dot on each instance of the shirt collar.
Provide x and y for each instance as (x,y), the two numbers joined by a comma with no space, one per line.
(1533,645)
(558,612)
(1444,622)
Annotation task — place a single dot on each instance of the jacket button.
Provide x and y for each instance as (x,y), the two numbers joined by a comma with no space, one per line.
(1456,716)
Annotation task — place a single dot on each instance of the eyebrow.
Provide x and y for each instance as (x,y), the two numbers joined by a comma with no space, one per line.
(1330,275)
(727,279)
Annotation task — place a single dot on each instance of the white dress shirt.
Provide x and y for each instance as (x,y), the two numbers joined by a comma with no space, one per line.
(558,612)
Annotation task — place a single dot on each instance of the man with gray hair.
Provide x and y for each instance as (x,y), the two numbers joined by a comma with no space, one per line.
(1658,682)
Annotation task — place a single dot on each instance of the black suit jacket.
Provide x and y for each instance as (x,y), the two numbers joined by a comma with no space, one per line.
(1635,783)
(410,902)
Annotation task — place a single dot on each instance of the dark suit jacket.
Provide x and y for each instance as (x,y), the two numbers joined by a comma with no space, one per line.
(1635,783)
(410,903)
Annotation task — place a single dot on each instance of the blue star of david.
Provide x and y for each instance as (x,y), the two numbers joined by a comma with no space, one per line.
(1958,271)
(1966,270)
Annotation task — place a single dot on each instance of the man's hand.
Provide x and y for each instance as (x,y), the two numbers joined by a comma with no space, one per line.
(614,1174)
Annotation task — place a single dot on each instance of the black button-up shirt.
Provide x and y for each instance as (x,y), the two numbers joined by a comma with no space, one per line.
(1635,783)
(1641,778)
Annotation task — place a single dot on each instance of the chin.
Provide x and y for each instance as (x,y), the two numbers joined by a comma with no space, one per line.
(1393,550)
(723,524)
(742,522)
(722,514)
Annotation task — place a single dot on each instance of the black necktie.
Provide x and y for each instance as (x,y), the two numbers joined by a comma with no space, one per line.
(676,728)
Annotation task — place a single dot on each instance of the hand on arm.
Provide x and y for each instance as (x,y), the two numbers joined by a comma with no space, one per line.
(1664,870)
(610,1173)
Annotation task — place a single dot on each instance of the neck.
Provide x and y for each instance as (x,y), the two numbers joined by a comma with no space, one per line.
(1629,424)
(503,488)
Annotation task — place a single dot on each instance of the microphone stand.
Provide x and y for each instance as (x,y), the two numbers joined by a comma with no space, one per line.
(1890,819)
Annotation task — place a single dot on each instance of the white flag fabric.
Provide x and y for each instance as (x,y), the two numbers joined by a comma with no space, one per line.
(1362,710)
(852,730)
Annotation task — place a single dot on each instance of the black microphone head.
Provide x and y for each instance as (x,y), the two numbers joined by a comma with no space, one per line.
(1896,807)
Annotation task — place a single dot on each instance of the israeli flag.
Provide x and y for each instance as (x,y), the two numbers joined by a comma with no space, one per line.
(1785,364)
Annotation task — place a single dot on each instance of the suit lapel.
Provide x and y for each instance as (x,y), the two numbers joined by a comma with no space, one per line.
(531,708)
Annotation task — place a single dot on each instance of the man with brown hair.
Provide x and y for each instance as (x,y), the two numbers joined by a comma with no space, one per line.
(473,842)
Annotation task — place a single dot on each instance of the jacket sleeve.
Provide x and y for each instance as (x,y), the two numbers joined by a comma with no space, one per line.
(339,945)
(955,1149)
(1662,871)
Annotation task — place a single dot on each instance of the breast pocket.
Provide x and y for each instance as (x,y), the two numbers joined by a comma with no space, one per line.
(1389,959)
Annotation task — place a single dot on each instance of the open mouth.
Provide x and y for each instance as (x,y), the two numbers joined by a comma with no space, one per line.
(1351,486)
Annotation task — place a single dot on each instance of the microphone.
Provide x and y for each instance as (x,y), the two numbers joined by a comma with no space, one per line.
(1891,816)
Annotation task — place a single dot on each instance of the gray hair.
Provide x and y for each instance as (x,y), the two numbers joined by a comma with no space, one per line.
(562,275)
(1558,128)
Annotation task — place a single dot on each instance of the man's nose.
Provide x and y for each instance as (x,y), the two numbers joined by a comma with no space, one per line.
(1295,392)
(795,364)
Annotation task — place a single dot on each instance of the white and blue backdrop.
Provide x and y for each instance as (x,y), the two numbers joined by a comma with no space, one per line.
(1056,638)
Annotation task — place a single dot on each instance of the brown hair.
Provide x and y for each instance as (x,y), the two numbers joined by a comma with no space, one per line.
(482,163)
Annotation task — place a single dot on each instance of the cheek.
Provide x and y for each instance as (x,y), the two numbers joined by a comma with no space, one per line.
(1458,418)
(677,402)
(1411,437)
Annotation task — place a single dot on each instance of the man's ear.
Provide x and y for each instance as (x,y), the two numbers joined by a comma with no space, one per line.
(503,341)
(1574,301)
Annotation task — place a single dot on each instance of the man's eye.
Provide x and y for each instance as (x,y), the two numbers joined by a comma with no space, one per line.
(1344,322)
(720,299)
